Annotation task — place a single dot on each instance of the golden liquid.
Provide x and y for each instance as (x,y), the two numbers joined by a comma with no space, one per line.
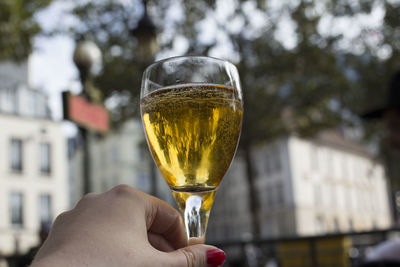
(192,131)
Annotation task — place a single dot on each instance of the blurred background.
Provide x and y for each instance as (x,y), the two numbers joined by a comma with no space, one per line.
(315,180)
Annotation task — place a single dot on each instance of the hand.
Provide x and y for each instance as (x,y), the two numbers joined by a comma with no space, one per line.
(122,227)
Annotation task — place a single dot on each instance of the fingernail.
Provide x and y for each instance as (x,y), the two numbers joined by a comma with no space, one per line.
(215,257)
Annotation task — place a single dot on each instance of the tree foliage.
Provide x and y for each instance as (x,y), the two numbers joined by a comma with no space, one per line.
(18,27)
(303,88)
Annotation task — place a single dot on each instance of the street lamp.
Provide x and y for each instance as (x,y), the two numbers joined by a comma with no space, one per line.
(87,58)
(146,34)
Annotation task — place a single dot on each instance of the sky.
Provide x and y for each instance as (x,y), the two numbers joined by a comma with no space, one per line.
(52,69)
(51,66)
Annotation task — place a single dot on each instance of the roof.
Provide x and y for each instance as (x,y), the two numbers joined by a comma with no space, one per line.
(334,138)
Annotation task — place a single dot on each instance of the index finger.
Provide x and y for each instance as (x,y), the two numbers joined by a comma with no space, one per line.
(163,219)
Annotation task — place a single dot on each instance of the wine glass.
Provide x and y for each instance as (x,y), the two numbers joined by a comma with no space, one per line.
(192,110)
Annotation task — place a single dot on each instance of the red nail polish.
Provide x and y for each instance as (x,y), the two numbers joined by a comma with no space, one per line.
(215,257)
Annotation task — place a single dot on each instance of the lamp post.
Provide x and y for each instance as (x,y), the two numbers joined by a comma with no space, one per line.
(87,58)
(146,35)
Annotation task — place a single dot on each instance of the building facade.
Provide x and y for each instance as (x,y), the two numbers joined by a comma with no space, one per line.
(304,187)
(33,162)
(119,157)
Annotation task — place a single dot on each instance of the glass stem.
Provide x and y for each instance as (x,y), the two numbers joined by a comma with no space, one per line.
(195,221)
(195,209)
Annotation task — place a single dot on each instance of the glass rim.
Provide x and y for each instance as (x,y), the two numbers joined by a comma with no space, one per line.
(189,56)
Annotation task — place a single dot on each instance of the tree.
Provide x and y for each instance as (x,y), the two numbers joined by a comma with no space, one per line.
(318,79)
(18,27)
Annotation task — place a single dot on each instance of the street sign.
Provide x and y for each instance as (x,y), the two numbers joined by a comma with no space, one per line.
(85,113)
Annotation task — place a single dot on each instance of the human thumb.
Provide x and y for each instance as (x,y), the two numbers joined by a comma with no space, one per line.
(198,256)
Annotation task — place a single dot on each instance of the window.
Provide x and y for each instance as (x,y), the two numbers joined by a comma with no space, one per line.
(313,158)
(317,195)
(271,196)
(45,158)
(114,154)
(345,171)
(16,155)
(276,159)
(348,197)
(267,165)
(336,225)
(16,209)
(320,224)
(333,195)
(12,101)
(142,150)
(280,194)
(45,209)
(351,225)
(143,181)
(330,162)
